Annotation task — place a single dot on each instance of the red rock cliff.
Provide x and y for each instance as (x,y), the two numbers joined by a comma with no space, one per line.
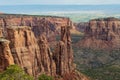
(64,54)
(81,26)
(1,32)
(25,49)
(46,56)
(6,57)
(33,54)
(102,33)
(50,26)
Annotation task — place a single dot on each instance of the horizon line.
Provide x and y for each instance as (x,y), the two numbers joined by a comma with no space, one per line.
(54,4)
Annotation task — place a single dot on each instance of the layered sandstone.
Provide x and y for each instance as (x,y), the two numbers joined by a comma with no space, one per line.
(102,34)
(6,57)
(48,25)
(81,26)
(46,56)
(35,56)
(1,32)
(63,53)
(30,49)
(63,57)
(24,48)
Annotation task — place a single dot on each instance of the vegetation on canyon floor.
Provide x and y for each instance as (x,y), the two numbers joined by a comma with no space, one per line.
(97,64)
(14,72)
(45,77)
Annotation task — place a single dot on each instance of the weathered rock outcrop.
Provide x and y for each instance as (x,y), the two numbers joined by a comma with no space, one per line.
(63,54)
(25,49)
(46,56)
(35,55)
(1,32)
(6,57)
(30,48)
(64,57)
(48,25)
(81,26)
(102,34)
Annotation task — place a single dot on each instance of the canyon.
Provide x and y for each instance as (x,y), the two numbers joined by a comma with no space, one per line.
(97,52)
(24,40)
(50,26)
(31,42)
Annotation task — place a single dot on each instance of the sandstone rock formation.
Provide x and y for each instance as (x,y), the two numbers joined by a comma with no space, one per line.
(102,34)
(81,26)
(46,56)
(35,55)
(63,54)
(48,25)
(1,32)
(25,49)
(30,49)
(6,57)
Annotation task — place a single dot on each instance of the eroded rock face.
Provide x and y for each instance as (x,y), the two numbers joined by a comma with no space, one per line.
(63,54)
(1,32)
(34,55)
(6,57)
(25,49)
(81,26)
(50,26)
(103,34)
(46,56)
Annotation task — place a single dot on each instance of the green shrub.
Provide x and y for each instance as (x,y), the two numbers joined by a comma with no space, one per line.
(45,77)
(14,72)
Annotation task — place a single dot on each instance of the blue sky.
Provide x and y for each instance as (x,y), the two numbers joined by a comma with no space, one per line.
(20,2)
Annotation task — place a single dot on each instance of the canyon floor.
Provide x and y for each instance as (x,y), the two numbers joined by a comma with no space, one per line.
(97,64)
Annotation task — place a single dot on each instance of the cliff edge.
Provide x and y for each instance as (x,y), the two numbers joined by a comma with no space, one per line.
(102,33)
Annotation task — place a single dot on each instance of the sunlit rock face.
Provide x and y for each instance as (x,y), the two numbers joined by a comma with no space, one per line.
(1,32)
(35,55)
(28,47)
(63,53)
(49,25)
(6,57)
(102,34)
(25,49)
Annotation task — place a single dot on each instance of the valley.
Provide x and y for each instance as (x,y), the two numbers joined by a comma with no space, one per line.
(59,47)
